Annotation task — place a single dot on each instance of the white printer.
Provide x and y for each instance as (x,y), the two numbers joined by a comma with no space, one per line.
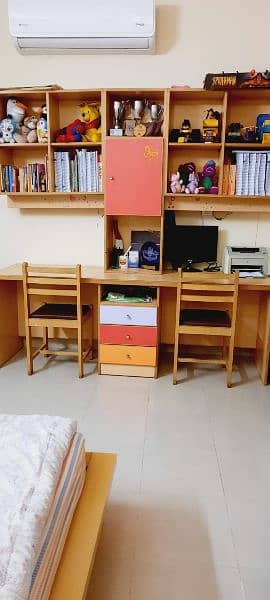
(245,259)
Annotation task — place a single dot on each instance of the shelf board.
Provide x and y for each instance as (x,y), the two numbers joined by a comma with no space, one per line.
(33,200)
(247,145)
(24,146)
(198,145)
(133,137)
(214,203)
(75,144)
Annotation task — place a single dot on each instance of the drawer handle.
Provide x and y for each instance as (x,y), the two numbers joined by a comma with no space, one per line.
(129,317)
(128,337)
(128,356)
(111,178)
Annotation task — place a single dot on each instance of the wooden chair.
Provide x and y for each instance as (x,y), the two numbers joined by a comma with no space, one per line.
(199,312)
(52,282)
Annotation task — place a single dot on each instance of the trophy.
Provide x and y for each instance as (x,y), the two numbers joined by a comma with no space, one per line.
(156,111)
(118,109)
(138,107)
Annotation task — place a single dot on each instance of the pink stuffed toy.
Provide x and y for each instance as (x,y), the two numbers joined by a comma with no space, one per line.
(175,184)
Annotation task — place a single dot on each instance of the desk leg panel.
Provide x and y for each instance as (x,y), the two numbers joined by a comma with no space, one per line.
(263,338)
(10,342)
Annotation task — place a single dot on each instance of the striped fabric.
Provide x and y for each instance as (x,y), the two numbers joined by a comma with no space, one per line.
(67,495)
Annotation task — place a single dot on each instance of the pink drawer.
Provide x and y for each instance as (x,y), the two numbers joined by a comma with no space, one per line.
(125,335)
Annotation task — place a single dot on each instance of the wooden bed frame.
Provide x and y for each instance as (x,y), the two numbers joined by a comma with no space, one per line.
(73,574)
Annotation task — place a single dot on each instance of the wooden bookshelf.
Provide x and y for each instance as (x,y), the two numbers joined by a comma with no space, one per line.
(63,108)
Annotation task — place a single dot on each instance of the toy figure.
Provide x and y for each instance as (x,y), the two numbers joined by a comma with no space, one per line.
(175,185)
(91,117)
(29,129)
(42,130)
(208,180)
(7,131)
(193,182)
(16,110)
(211,125)
(72,133)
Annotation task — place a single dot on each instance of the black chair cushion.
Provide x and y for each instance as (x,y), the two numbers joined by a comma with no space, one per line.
(204,317)
(59,311)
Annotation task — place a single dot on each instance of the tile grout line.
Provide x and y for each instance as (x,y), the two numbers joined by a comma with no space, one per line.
(130,591)
(229,519)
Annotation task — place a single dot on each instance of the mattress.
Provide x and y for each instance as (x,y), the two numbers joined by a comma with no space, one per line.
(41,476)
(53,539)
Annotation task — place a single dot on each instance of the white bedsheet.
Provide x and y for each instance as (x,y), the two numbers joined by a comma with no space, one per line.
(32,451)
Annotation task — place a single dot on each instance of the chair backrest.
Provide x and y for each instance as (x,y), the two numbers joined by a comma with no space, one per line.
(51,281)
(210,289)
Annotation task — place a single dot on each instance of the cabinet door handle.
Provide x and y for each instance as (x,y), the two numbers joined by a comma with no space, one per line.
(129,317)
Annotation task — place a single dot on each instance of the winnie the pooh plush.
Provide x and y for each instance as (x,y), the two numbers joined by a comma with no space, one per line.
(91,117)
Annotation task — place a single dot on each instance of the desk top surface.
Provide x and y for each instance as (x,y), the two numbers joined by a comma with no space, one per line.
(97,275)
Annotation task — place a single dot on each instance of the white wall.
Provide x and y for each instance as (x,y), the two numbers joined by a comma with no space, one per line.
(194,37)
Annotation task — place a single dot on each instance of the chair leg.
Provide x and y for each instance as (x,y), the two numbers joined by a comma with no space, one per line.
(28,340)
(175,357)
(80,353)
(91,336)
(45,337)
(229,364)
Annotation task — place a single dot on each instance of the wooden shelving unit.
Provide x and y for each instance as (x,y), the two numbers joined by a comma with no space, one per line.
(63,107)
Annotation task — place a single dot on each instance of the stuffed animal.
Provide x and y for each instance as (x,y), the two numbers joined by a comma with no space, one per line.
(184,172)
(42,130)
(193,183)
(175,185)
(7,131)
(16,110)
(72,133)
(209,179)
(29,129)
(91,117)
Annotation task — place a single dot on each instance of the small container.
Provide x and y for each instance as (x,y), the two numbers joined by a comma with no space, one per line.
(133,259)
(123,261)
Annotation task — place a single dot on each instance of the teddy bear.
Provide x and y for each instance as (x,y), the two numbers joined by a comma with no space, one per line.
(91,117)
(209,179)
(29,129)
(7,131)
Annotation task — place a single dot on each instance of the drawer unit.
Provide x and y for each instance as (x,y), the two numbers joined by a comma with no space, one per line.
(127,335)
(128,370)
(127,355)
(128,315)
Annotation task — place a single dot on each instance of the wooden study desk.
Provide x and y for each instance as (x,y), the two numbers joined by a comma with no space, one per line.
(253,318)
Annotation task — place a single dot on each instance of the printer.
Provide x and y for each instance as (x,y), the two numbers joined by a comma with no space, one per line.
(245,259)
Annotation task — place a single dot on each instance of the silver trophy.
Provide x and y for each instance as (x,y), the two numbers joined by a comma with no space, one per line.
(138,107)
(156,111)
(118,110)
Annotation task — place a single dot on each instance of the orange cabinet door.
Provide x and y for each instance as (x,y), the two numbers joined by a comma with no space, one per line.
(134,176)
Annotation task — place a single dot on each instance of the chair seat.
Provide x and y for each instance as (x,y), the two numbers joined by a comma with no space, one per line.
(203,317)
(59,311)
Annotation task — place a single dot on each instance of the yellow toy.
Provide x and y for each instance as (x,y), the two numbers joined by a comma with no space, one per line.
(91,117)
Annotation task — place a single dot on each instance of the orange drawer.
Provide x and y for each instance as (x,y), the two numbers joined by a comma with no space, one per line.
(128,335)
(127,355)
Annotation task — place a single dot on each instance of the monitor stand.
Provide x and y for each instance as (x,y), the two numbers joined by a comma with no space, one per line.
(188,267)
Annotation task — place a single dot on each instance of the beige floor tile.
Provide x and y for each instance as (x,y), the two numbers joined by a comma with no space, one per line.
(256,583)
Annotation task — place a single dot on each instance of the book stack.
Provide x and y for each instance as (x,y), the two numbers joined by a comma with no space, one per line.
(30,178)
(79,171)
(252,176)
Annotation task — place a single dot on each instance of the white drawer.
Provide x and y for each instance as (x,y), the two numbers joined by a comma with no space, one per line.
(128,315)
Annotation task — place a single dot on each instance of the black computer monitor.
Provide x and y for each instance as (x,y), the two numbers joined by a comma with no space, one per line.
(186,244)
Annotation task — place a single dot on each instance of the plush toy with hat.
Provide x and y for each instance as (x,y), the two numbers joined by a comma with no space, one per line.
(209,179)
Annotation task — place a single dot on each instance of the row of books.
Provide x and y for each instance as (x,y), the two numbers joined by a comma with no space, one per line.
(250,176)
(79,171)
(32,177)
